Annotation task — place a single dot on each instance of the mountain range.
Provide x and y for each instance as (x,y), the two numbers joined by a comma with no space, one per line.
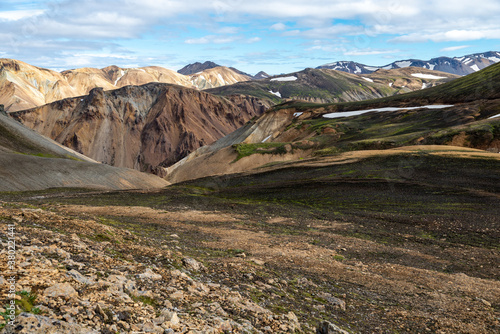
(463,112)
(457,65)
(24,86)
(329,86)
(312,202)
(140,127)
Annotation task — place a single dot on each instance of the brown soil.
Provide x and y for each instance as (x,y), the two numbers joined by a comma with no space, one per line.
(413,294)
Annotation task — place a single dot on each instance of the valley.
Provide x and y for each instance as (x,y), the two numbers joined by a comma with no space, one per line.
(317,201)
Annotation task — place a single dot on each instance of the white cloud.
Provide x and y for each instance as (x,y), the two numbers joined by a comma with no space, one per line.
(92,24)
(334,31)
(106,55)
(449,36)
(278,26)
(454,48)
(14,15)
(228,30)
(369,52)
(254,40)
(212,39)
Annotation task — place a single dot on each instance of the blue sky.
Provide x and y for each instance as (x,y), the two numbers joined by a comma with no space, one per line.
(274,36)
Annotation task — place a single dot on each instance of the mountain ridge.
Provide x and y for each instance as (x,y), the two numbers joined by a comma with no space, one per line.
(457,65)
(197,67)
(29,161)
(25,86)
(140,127)
(296,130)
(329,86)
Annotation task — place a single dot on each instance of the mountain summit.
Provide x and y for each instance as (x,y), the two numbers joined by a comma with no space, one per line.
(197,67)
(457,65)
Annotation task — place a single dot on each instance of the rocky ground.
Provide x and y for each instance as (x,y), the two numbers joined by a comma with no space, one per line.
(139,269)
(79,281)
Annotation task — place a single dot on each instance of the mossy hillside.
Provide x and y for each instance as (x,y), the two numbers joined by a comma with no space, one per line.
(400,128)
(481,85)
(312,84)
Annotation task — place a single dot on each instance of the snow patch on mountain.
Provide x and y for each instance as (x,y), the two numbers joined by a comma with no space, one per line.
(278,94)
(265,139)
(291,78)
(427,76)
(122,73)
(360,112)
(404,63)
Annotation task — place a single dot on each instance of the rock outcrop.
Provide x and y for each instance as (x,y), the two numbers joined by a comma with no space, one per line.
(29,161)
(141,127)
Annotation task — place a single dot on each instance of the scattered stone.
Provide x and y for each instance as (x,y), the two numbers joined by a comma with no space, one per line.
(258,262)
(170,316)
(149,274)
(28,323)
(336,302)
(485,302)
(327,327)
(192,264)
(99,311)
(79,277)
(64,290)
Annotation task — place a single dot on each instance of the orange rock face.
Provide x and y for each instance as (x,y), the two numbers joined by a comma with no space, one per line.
(142,127)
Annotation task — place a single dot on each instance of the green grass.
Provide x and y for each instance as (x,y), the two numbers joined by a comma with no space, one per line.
(245,150)
(484,84)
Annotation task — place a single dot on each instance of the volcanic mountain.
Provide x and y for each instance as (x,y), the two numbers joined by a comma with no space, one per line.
(456,65)
(140,127)
(197,67)
(327,86)
(29,161)
(463,112)
(25,86)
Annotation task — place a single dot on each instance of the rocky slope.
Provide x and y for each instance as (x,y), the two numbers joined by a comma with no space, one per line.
(456,65)
(467,117)
(140,127)
(405,243)
(216,77)
(24,86)
(76,275)
(327,86)
(197,67)
(29,161)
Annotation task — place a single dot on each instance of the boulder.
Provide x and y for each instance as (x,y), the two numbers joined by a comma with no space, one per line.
(327,327)
(64,290)
(28,323)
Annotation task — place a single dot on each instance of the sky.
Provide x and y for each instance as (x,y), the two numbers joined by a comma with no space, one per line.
(260,35)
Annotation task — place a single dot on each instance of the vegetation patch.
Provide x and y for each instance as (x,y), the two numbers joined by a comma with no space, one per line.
(245,150)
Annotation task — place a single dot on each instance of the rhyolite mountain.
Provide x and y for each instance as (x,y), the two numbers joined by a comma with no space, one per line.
(29,161)
(467,115)
(141,127)
(25,86)
(457,65)
(197,67)
(327,86)
(261,75)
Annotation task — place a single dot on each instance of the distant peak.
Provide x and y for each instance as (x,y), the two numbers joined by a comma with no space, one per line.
(197,67)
